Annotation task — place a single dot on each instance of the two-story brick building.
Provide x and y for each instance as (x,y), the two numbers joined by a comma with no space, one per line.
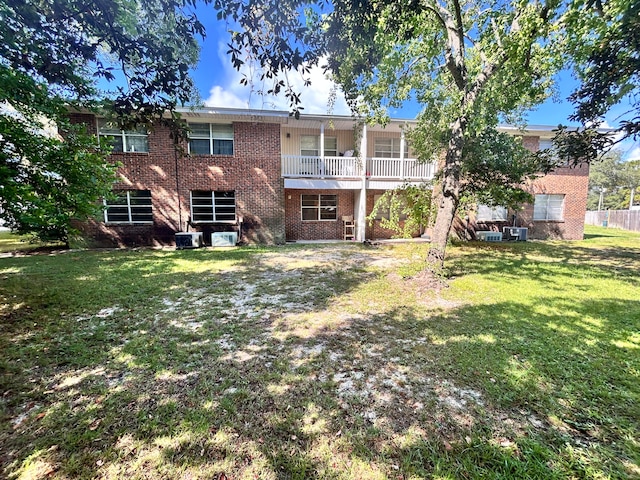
(274,178)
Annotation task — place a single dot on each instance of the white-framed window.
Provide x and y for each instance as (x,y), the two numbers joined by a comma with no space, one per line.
(210,139)
(386,147)
(491,214)
(129,206)
(548,207)
(213,206)
(124,140)
(310,146)
(547,144)
(389,147)
(319,207)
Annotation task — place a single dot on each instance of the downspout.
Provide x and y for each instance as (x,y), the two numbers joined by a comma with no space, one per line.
(175,156)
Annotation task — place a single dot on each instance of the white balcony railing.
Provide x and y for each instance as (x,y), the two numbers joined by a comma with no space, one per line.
(351,167)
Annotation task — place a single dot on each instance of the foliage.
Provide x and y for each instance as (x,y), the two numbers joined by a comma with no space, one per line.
(405,210)
(469,64)
(615,178)
(54,55)
(46,181)
(496,166)
(603,40)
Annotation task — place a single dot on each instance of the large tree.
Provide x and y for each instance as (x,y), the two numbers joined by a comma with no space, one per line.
(131,56)
(469,63)
(613,182)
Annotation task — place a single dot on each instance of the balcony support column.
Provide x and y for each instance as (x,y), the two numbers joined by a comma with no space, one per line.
(403,154)
(360,203)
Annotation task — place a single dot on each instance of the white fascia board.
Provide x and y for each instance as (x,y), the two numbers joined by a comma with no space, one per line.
(317,184)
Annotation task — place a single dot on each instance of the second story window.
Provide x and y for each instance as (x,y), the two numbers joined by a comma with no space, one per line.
(310,146)
(210,139)
(389,147)
(124,140)
(386,147)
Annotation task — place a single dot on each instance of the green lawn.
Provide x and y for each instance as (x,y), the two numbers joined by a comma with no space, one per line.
(331,361)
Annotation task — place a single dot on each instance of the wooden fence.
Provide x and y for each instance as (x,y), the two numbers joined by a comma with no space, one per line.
(625,219)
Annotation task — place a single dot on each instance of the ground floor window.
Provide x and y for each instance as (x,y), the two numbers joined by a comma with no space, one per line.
(491,214)
(319,207)
(129,206)
(548,207)
(213,206)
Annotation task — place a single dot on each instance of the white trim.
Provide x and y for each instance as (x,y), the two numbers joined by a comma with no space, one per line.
(318,207)
(213,207)
(127,193)
(310,184)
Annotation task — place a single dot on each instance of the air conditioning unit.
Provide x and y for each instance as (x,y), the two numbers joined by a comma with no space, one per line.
(518,234)
(489,236)
(189,240)
(224,239)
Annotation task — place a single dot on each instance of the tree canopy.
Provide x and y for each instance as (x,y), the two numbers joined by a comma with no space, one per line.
(602,41)
(469,64)
(613,181)
(62,53)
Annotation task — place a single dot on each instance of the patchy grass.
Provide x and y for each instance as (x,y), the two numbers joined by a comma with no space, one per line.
(333,362)
(18,244)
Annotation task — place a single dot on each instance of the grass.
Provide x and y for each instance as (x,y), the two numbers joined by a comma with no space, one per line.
(10,243)
(331,362)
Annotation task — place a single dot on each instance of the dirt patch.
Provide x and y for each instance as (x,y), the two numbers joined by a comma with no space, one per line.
(426,280)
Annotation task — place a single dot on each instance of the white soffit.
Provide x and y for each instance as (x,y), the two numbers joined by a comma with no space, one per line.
(317,184)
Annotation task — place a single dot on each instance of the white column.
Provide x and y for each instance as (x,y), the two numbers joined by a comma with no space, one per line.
(322,141)
(360,203)
(402,153)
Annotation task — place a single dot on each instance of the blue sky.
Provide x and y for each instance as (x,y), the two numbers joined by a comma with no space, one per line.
(219,86)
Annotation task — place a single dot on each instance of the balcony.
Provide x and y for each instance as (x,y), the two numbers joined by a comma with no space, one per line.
(299,166)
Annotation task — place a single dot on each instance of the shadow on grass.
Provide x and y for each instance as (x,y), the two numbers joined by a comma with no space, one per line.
(533,258)
(208,388)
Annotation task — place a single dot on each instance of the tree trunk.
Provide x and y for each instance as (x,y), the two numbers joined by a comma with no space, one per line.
(450,196)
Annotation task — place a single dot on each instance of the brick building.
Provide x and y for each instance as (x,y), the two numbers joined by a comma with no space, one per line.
(272,178)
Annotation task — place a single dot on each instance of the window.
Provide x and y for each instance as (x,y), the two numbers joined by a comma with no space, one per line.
(319,207)
(208,206)
(547,144)
(548,207)
(491,214)
(310,146)
(124,140)
(210,139)
(130,206)
(386,148)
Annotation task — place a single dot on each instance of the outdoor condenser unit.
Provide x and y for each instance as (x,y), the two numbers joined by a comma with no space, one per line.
(189,240)
(515,233)
(489,236)
(224,239)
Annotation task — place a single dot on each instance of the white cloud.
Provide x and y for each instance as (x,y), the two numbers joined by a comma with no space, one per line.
(634,154)
(230,93)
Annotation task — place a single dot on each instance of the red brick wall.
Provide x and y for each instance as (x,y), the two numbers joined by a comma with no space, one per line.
(253,172)
(571,182)
(316,230)
(373,229)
